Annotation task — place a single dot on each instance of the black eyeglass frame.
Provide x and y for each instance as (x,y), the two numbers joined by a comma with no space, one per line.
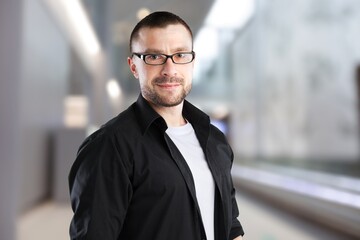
(142,56)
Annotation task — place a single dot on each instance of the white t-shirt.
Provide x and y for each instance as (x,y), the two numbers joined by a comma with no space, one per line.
(186,141)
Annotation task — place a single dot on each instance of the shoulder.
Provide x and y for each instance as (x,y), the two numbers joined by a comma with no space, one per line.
(109,145)
(219,145)
(217,134)
(119,127)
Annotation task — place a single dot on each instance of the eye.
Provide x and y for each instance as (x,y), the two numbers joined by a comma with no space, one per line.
(154,56)
(180,55)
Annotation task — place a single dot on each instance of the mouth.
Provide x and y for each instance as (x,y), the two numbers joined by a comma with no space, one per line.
(168,85)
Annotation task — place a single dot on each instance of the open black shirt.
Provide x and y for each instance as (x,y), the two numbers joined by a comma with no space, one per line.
(130,182)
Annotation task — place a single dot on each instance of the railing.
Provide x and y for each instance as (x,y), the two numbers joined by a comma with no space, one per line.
(331,200)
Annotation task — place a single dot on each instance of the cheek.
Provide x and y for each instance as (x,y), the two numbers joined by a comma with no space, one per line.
(189,77)
(145,79)
(141,73)
(146,74)
(142,76)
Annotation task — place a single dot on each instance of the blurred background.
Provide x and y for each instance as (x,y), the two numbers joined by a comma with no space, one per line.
(280,78)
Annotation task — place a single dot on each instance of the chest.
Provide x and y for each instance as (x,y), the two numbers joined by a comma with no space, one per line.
(157,171)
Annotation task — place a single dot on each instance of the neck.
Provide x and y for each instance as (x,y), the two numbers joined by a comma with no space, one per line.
(172,115)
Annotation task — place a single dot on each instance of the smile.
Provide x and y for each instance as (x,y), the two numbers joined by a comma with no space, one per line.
(168,85)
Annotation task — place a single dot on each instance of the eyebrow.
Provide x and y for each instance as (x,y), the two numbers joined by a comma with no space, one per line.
(157,51)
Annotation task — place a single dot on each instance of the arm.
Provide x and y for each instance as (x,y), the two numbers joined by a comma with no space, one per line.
(237,229)
(100,192)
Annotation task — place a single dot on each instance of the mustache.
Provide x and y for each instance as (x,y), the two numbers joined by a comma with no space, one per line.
(162,80)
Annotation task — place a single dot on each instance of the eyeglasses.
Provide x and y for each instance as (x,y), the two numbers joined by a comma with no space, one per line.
(160,59)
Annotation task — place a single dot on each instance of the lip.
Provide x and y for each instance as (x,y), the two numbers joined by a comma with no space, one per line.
(168,85)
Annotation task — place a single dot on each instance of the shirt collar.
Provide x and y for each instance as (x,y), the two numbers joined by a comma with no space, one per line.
(200,122)
(194,115)
(147,115)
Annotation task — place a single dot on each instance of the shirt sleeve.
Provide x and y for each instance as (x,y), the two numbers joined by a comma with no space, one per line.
(236,227)
(100,191)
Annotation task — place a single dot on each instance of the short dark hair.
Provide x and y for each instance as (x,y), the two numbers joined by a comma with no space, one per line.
(160,19)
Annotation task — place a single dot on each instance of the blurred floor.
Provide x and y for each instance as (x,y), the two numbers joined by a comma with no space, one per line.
(261,222)
(47,221)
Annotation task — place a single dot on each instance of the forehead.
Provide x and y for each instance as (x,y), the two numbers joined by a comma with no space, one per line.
(174,36)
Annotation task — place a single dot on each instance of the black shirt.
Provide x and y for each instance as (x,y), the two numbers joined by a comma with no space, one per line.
(129,181)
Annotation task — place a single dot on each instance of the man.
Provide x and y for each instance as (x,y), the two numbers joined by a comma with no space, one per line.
(159,170)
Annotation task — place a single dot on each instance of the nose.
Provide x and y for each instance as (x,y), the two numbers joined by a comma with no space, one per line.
(169,68)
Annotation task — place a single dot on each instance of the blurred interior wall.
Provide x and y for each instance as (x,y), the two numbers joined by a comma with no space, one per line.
(93,60)
(10,50)
(43,86)
(34,72)
(294,68)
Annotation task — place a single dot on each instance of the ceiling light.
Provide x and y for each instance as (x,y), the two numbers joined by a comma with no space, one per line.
(113,88)
(82,24)
(223,14)
(142,12)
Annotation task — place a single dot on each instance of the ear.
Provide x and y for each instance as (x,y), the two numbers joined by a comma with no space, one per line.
(132,67)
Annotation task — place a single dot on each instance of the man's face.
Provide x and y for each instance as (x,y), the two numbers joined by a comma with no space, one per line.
(163,85)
